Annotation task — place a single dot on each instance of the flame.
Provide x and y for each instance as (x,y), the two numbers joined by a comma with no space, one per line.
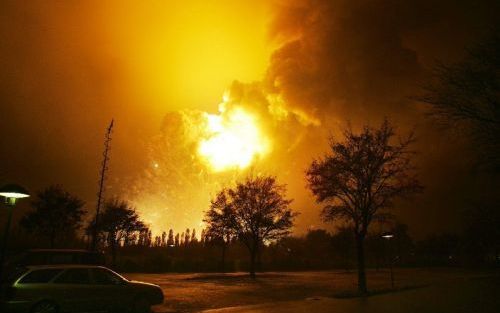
(197,153)
(234,139)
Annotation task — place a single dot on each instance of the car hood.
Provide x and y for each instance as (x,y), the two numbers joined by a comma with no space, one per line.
(142,284)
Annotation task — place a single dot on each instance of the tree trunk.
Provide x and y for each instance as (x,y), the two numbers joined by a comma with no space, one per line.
(223,261)
(258,262)
(252,262)
(362,288)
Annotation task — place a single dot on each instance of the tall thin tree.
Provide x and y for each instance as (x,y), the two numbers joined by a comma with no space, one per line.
(102,178)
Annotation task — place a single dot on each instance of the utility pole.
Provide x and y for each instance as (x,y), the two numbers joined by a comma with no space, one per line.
(104,168)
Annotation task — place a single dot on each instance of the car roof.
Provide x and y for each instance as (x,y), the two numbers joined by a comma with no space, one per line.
(62,266)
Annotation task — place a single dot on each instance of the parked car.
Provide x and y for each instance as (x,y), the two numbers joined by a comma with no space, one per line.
(75,288)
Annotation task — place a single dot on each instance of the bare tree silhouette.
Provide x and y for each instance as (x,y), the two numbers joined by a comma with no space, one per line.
(466,94)
(256,210)
(118,222)
(360,178)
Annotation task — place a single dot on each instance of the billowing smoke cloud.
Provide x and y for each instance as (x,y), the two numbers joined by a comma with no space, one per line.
(360,61)
(337,62)
(344,57)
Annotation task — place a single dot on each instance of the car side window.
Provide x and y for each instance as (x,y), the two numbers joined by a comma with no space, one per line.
(105,277)
(79,276)
(40,276)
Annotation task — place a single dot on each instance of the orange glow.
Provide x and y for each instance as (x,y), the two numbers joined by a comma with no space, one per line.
(184,53)
(179,56)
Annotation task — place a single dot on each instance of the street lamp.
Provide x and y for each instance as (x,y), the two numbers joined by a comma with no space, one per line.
(389,236)
(11,193)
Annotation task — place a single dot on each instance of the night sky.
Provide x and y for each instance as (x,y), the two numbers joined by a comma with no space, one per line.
(302,70)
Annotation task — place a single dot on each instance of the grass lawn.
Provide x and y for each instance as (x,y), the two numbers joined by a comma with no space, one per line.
(195,292)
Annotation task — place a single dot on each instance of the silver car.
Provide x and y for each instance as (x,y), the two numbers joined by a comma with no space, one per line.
(75,288)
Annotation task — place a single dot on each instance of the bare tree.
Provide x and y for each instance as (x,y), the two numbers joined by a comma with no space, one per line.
(359,180)
(56,213)
(257,212)
(119,221)
(465,96)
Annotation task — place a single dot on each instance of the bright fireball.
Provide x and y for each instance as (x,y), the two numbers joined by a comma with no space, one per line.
(233,140)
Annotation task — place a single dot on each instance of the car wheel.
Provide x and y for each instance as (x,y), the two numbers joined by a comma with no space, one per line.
(141,305)
(45,307)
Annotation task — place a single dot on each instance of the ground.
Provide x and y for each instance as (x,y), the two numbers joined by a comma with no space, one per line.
(323,291)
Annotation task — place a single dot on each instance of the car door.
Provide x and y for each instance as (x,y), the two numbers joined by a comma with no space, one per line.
(112,291)
(74,290)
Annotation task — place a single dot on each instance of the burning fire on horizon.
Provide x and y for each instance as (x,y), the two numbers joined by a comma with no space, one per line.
(197,153)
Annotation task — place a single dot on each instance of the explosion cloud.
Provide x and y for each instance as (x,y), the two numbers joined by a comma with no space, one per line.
(68,68)
(197,153)
(338,63)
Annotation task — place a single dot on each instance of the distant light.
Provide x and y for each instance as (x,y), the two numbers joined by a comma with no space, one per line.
(387,235)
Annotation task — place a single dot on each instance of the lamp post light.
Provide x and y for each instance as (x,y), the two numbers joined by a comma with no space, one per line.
(389,236)
(11,193)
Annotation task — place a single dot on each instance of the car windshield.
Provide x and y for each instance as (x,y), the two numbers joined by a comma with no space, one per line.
(13,275)
(106,277)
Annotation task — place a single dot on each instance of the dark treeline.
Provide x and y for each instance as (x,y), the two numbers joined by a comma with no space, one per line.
(318,249)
